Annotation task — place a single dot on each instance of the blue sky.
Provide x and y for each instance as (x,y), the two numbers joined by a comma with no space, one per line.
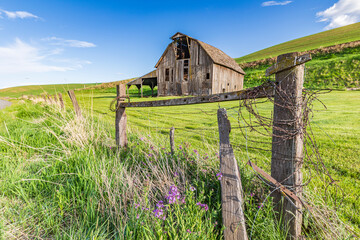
(78,41)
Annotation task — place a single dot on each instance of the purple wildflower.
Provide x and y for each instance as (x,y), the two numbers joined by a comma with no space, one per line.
(137,205)
(204,206)
(137,216)
(158,212)
(195,151)
(160,204)
(183,200)
(188,230)
(152,148)
(176,174)
(150,155)
(110,147)
(252,194)
(142,139)
(192,188)
(174,194)
(260,206)
(219,175)
(180,147)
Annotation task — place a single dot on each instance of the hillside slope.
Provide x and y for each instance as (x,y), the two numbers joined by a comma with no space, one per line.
(15,92)
(323,39)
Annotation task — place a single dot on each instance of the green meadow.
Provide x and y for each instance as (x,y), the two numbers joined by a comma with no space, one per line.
(323,39)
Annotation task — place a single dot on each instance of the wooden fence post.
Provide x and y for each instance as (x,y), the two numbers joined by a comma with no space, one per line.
(61,100)
(287,140)
(231,189)
(172,144)
(120,117)
(75,103)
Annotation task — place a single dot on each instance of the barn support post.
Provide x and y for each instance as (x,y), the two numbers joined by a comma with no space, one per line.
(128,90)
(287,140)
(231,189)
(120,117)
(75,103)
(142,89)
(172,144)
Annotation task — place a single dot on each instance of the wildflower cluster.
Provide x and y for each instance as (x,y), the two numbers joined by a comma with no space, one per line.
(203,206)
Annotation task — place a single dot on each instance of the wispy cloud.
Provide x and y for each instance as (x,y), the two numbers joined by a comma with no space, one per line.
(275,3)
(69,43)
(22,57)
(342,13)
(18,14)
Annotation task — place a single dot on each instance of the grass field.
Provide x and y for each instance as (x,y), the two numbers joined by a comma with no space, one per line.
(327,38)
(336,129)
(65,178)
(15,92)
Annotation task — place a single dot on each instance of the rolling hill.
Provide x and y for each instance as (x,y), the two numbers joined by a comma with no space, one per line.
(332,37)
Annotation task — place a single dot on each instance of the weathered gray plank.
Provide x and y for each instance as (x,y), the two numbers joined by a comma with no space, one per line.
(75,103)
(172,144)
(120,117)
(287,62)
(287,141)
(258,92)
(231,189)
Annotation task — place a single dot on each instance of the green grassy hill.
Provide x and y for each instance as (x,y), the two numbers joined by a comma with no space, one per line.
(15,92)
(324,39)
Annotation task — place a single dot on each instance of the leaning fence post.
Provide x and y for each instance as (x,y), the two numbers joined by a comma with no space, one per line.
(120,117)
(61,101)
(287,140)
(172,144)
(75,103)
(231,189)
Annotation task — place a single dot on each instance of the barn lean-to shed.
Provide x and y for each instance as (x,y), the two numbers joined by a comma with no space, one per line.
(191,67)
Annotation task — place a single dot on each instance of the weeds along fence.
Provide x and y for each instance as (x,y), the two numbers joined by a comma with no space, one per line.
(287,129)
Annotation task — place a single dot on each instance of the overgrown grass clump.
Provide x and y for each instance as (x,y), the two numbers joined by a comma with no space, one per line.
(62,178)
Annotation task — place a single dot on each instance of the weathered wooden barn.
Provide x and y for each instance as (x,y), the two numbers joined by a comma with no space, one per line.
(191,67)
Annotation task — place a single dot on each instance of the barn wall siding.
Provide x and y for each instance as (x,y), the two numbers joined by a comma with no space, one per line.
(204,77)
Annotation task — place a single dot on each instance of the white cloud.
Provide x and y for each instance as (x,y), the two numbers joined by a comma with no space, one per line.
(69,43)
(22,57)
(18,14)
(342,13)
(275,3)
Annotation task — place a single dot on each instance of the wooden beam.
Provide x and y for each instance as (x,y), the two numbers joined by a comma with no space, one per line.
(75,103)
(231,189)
(120,118)
(258,92)
(287,140)
(290,61)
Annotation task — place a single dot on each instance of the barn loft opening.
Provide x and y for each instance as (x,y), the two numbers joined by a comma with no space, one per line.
(182,48)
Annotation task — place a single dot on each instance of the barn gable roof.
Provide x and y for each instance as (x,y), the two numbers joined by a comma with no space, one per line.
(216,55)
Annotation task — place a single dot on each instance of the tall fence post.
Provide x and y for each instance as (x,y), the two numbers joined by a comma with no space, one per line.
(75,103)
(287,140)
(231,189)
(172,144)
(120,117)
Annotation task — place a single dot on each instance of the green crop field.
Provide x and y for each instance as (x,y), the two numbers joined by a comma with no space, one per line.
(328,38)
(15,92)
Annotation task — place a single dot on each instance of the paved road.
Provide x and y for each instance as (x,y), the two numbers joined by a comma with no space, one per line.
(4,104)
